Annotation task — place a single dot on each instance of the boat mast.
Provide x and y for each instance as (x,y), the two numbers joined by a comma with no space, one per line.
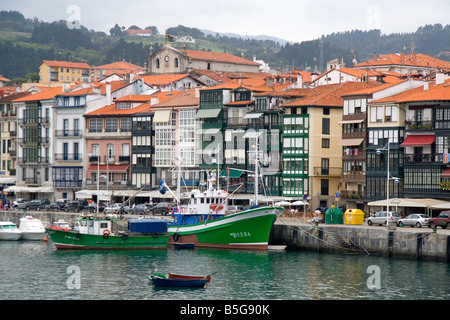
(256,170)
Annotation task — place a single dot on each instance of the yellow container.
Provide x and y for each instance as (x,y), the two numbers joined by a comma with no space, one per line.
(354,216)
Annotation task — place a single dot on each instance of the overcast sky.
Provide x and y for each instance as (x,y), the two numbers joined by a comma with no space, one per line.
(292,20)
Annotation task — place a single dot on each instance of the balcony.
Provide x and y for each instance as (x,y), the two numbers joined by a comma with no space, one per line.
(68,133)
(328,172)
(421,125)
(411,158)
(352,195)
(68,156)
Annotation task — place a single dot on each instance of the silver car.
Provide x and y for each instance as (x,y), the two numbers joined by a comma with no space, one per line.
(381,217)
(414,220)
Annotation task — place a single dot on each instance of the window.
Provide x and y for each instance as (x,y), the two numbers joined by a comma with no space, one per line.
(110,153)
(95,125)
(157,63)
(112,124)
(325,126)
(66,127)
(325,143)
(324,187)
(325,166)
(326,111)
(125,125)
(176,62)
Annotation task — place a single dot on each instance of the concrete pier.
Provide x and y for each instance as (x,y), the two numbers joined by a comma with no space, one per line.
(410,243)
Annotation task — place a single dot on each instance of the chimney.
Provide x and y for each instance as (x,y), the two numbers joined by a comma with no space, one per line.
(374,56)
(108,94)
(299,81)
(426,86)
(440,78)
(66,87)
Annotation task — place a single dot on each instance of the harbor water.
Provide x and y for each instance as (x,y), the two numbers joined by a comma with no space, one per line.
(37,271)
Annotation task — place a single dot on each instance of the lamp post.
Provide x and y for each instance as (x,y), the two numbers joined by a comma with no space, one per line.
(388,177)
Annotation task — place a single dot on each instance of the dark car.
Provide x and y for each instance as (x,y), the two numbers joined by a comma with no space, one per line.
(163,208)
(139,209)
(442,220)
(55,206)
(75,206)
(37,204)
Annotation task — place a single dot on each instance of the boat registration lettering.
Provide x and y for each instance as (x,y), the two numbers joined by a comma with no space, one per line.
(240,234)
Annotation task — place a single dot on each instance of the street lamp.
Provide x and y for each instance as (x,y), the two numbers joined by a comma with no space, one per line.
(388,177)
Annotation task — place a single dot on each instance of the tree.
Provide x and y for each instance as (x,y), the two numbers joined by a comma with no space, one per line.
(116,30)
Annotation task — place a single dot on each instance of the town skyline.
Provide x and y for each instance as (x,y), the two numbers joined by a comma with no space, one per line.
(299,22)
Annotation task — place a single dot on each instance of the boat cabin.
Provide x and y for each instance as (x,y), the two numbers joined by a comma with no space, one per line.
(93,225)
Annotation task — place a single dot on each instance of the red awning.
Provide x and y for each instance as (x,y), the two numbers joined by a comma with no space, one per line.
(418,140)
(109,168)
(445,173)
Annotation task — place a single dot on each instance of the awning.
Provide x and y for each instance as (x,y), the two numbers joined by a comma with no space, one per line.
(162,116)
(350,121)
(102,195)
(351,142)
(252,115)
(234,173)
(418,140)
(28,189)
(207,113)
(407,202)
(445,173)
(109,168)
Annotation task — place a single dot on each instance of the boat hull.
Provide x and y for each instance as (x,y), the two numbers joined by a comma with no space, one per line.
(10,236)
(74,240)
(249,229)
(187,277)
(177,283)
(34,236)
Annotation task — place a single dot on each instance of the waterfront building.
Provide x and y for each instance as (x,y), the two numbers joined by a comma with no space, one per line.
(35,144)
(312,157)
(175,140)
(355,138)
(423,153)
(108,146)
(8,138)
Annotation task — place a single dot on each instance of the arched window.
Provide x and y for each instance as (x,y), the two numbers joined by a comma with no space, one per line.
(157,63)
(176,62)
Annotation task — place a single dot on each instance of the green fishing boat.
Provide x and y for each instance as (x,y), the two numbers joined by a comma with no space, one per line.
(108,233)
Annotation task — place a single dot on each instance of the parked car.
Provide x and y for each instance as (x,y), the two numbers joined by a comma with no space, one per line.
(139,209)
(112,208)
(19,201)
(55,206)
(381,217)
(38,204)
(75,206)
(163,208)
(22,205)
(442,220)
(92,207)
(414,220)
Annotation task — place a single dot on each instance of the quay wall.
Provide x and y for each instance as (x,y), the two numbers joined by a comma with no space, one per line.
(400,243)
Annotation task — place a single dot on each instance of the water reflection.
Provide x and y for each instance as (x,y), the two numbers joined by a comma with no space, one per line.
(36,270)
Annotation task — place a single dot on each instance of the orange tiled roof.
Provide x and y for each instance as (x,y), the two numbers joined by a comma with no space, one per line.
(434,93)
(414,59)
(66,64)
(112,111)
(217,56)
(180,99)
(134,98)
(163,79)
(120,65)
(48,94)
(328,95)
(3,79)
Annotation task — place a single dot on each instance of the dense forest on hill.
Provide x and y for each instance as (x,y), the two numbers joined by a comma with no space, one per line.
(24,43)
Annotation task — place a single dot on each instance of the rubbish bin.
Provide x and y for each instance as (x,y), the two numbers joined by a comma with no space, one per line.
(334,216)
(354,216)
